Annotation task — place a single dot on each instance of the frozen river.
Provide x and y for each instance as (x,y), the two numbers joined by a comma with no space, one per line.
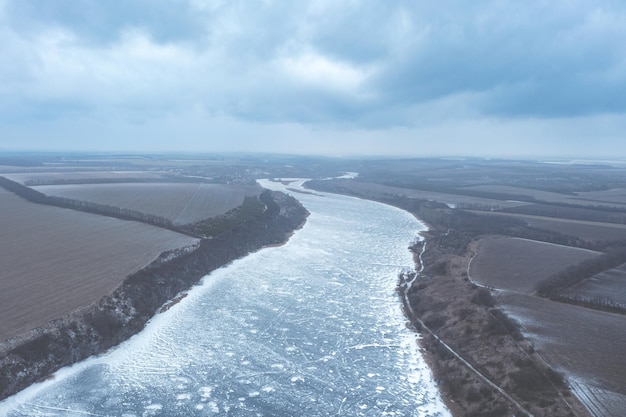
(311,328)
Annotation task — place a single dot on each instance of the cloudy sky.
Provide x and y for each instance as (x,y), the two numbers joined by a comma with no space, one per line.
(505,77)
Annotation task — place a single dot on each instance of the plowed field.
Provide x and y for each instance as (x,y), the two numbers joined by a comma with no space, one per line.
(610,198)
(607,286)
(586,230)
(589,345)
(53,261)
(614,195)
(519,264)
(82,176)
(181,203)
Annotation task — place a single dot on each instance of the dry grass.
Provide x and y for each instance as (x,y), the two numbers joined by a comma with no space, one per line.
(57,260)
(182,203)
(519,264)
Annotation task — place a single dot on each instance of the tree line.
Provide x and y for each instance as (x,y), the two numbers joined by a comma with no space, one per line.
(597,213)
(37,197)
(460,227)
(252,208)
(125,312)
(554,285)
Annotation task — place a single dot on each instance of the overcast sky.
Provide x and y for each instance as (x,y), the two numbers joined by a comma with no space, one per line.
(490,78)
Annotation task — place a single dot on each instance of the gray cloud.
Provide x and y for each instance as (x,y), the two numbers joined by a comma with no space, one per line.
(101,22)
(536,58)
(344,67)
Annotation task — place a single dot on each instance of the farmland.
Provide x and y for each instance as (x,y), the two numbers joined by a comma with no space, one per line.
(56,260)
(374,190)
(585,230)
(77,258)
(182,203)
(561,211)
(519,264)
(77,279)
(76,177)
(588,345)
(609,198)
(608,287)
(566,335)
(517,215)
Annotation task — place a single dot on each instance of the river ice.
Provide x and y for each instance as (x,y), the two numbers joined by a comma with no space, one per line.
(311,328)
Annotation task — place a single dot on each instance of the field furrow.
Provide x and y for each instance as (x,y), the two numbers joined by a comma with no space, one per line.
(53,260)
(520,264)
(182,203)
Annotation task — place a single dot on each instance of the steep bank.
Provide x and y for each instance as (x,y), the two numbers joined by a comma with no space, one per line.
(123,313)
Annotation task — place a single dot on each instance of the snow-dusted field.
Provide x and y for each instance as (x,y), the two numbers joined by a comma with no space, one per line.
(586,345)
(312,328)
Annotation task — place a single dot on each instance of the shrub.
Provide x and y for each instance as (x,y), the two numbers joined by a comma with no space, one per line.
(435,321)
(483,297)
(556,378)
(529,379)
(473,395)
(507,325)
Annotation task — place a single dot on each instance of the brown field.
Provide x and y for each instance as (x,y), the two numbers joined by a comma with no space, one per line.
(83,176)
(180,202)
(610,198)
(607,286)
(588,345)
(518,265)
(528,192)
(586,230)
(57,260)
(570,212)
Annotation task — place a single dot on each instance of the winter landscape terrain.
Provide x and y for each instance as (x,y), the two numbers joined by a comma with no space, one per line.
(524,255)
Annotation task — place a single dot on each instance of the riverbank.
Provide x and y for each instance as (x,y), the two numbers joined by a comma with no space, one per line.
(480,360)
(96,328)
(482,363)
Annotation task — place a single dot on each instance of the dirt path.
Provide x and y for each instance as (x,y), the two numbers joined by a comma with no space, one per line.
(483,364)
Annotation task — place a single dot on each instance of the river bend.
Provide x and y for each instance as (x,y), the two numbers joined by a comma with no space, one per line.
(311,328)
